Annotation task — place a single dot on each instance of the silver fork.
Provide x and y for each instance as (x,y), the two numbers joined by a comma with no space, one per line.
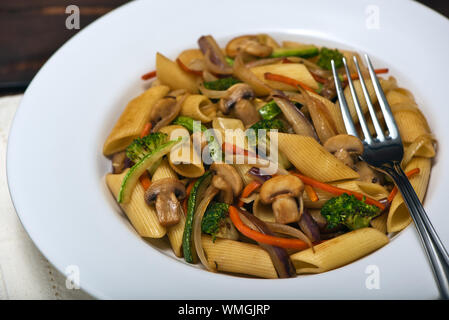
(385,152)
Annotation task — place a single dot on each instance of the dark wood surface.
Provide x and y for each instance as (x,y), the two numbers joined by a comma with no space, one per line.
(31,30)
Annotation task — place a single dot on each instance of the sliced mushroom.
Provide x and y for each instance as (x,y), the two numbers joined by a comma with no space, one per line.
(119,162)
(283,192)
(226,179)
(214,58)
(166,194)
(164,112)
(250,44)
(368,174)
(234,94)
(245,111)
(343,146)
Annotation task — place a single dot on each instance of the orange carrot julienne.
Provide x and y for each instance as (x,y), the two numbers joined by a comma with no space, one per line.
(248,190)
(149,75)
(187,69)
(146,130)
(337,191)
(264,238)
(311,193)
(355,76)
(393,192)
(287,80)
(145,181)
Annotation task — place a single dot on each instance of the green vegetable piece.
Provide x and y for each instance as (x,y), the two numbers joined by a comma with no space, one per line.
(132,176)
(305,52)
(214,219)
(349,211)
(230,61)
(326,55)
(140,147)
(274,124)
(221,84)
(270,111)
(194,199)
(187,123)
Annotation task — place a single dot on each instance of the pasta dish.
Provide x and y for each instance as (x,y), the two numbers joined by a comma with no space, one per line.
(238,156)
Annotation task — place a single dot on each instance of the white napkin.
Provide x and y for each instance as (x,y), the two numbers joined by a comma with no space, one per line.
(24,271)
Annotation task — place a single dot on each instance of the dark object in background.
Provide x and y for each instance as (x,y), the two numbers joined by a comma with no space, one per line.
(31,31)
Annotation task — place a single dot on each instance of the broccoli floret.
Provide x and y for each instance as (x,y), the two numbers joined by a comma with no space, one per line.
(221,84)
(326,55)
(140,147)
(349,211)
(217,223)
(187,123)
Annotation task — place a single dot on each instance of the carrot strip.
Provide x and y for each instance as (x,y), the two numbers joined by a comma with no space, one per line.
(393,192)
(311,193)
(186,69)
(337,191)
(264,238)
(149,75)
(248,190)
(355,76)
(146,130)
(188,190)
(145,181)
(287,80)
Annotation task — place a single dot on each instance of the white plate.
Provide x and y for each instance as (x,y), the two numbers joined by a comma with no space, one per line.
(56,169)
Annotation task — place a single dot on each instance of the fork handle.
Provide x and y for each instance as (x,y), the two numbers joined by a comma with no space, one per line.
(434,248)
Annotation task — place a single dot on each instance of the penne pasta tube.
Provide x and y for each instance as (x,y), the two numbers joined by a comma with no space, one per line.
(169,73)
(238,257)
(380,223)
(175,232)
(133,119)
(142,216)
(242,170)
(183,159)
(198,107)
(296,71)
(339,251)
(306,154)
(398,215)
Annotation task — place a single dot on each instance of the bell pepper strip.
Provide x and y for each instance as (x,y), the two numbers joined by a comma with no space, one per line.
(248,190)
(287,80)
(311,193)
(145,181)
(286,243)
(146,130)
(149,75)
(187,69)
(394,191)
(337,191)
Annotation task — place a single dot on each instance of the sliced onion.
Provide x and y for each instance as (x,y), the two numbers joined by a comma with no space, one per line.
(256,174)
(244,74)
(279,256)
(212,94)
(295,117)
(210,193)
(262,62)
(318,218)
(197,65)
(289,231)
(214,58)
(312,67)
(309,226)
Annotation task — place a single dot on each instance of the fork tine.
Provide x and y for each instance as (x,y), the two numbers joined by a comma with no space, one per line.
(377,127)
(384,106)
(347,119)
(358,108)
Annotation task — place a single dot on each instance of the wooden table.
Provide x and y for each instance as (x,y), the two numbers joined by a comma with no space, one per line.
(31,30)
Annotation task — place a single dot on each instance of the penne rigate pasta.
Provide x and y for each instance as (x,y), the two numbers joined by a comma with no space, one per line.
(198,107)
(239,257)
(339,251)
(169,73)
(132,120)
(142,216)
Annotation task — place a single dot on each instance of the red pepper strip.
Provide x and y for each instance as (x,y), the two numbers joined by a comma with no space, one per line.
(249,189)
(393,192)
(146,130)
(186,69)
(337,191)
(264,238)
(232,148)
(149,75)
(287,80)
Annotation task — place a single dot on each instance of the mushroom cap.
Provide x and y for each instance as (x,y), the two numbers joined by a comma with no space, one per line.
(234,94)
(286,210)
(164,112)
(226,194)
(281,186)
(230,175)
(250,44)
(344,142)
(165,186)
(245,111)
